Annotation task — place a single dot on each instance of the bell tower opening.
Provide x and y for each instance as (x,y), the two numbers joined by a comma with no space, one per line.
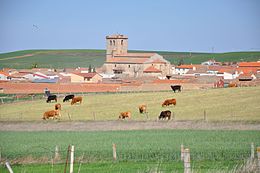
(116,44)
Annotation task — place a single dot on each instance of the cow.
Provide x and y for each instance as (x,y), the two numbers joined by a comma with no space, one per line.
(176,88)
(51,97)
(58,106)
(124,115)
(54,114)
(232,85)
(169,102)
(165,114)
(68,97)
(142,109)
(76,100)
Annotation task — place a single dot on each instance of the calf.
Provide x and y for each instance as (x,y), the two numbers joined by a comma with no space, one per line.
(165,114)
(124,115)
(76,100)
(68,97)
(58,106)
(51,97)
(54,114)
(142,109)
(169,102)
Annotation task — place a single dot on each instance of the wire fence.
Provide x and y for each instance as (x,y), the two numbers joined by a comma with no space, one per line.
(48,160)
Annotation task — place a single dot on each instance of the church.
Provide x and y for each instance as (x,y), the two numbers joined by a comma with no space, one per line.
(124,64)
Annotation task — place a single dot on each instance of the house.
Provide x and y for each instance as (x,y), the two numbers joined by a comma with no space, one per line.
(124,64)
(183,69)
(211,62)
(86,78)
(4,76)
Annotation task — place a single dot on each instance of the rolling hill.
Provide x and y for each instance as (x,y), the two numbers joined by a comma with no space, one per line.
(85,57)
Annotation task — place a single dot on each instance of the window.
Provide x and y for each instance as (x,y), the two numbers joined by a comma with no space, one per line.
(128,66)
(110,42)
(122,41)
(115,65)
(114,42)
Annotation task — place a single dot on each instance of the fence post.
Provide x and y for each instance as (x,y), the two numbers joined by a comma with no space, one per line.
(9,167)
(94,116)
(56,156)
(205,116)
(252,151)
(187,168)
(182,152)
(67,158)
(71,158)
(258,156)
(114,151)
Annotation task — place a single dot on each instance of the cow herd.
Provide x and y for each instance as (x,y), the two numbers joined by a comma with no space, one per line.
(143,110)
(56,113)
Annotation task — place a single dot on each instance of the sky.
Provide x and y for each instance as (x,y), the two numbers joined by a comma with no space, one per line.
(155,25)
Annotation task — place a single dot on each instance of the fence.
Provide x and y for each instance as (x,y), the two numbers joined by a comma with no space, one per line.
(58,160)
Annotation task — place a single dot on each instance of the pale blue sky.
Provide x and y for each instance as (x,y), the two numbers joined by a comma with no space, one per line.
(173,25)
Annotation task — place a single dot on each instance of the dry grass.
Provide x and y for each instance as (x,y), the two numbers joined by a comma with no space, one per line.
(228,104)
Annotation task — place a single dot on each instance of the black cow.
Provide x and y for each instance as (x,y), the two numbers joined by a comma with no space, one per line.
(51,97)
(165,114)
(68,97)
(176,88)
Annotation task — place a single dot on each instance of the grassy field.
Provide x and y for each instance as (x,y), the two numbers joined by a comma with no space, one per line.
(136,150)
(226,104)
(84,58)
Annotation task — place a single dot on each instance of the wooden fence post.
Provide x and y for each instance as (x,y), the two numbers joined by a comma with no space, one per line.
(67,158)
(252,151)
(114,151)
(71,158)
(9,167)
(205,116)
(182,152)
(187,168)
(94,116)
(258,156)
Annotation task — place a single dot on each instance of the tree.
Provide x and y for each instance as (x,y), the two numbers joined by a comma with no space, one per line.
(181,62)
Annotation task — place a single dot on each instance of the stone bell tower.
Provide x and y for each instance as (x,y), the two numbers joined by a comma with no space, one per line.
(116,45)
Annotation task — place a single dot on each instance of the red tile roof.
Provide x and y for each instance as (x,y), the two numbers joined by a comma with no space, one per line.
(4,73)
(249,64)
(127,60)
(185,66)
(152,69)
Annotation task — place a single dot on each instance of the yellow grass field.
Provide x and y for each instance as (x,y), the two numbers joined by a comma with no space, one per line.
(226,104)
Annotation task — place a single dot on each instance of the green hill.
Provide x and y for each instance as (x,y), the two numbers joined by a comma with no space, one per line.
(85,57)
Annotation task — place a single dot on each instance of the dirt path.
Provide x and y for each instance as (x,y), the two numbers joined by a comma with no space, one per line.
(15,57)
(124,125)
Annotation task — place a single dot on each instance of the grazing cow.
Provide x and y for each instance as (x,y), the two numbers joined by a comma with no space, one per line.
(169,102)
(54,114)
(124,115)
(68,97)
(58,106)
(142,109)
(176,88)
(165,114)
(232,85)
(76,100)
(51,97)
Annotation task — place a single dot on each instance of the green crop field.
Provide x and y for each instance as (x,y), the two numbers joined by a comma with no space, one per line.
(226,104)
(85,57)
(136,150)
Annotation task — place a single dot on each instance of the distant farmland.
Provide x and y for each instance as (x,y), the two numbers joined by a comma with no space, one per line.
(86,57)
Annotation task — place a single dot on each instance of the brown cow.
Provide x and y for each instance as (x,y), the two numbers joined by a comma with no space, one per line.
(58,106)
(76,100)
(54,114)
(142,109)
(232,85)
(124,115)
(169,102)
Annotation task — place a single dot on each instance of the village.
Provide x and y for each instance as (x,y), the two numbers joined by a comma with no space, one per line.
(124,71)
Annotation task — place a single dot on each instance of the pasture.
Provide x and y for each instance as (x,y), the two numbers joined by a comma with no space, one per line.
(84,57)
(138,151)
(226,104)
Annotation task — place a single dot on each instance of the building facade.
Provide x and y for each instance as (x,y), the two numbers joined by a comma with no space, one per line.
(124,64)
